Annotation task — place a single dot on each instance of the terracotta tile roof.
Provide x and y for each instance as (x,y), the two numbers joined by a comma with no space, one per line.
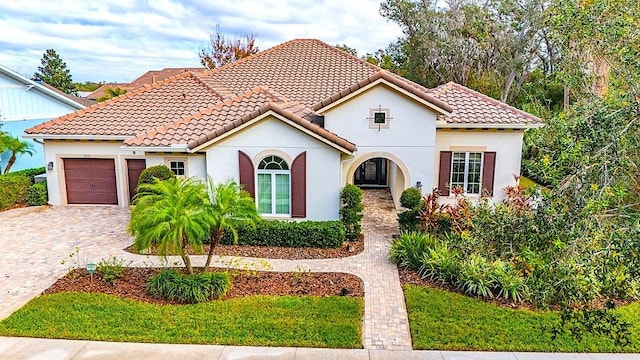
(137,111)
(306,71)
(474,108)
(293,79)
(208,124)
(79,100)
(101,91)
(154,76)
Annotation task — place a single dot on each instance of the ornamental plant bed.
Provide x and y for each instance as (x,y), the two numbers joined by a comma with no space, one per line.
(245,283)
(348,248)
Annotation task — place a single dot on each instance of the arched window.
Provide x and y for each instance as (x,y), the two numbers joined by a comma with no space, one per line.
(274,186)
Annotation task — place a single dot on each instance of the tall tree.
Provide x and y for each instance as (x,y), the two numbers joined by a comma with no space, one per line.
(223,49)
(347,49)
(54,72)
(488,45)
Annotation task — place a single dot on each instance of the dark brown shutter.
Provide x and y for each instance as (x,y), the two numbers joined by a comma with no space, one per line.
(445,172)
(246,173)
(299,186)
(488,172)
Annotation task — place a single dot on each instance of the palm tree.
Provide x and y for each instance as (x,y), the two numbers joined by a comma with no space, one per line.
(228,206)
(172,214)
(16,146)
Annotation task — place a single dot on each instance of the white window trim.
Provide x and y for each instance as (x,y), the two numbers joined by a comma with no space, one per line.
(273,191)
(372,116)
(167,162)
(465,184)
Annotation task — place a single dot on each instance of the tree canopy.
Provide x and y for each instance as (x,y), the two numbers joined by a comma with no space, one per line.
(54,72)
(223,49)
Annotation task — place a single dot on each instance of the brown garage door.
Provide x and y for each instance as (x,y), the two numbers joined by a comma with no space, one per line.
(90,181)
(134,168)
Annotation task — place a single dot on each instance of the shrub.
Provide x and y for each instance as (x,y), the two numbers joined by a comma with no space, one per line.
(160,172)
(13,189)
(30,173)
(37,194)
(112,268)
(409,249)
(411,198)
(351,210)
(322,234)
(440,263)
(476,276)
(507,282)
(195,288)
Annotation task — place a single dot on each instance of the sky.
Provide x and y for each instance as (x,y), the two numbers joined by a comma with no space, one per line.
(118,40)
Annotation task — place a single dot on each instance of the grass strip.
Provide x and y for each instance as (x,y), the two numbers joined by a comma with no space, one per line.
(449,321)
(308,321)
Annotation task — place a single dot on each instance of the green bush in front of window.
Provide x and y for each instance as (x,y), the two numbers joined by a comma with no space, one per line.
(320,234)
(160,172)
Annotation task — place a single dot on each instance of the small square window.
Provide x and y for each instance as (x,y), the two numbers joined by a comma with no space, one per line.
(379,118)
(177,166)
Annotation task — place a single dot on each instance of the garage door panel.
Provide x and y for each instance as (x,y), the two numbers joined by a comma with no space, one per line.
(90,181)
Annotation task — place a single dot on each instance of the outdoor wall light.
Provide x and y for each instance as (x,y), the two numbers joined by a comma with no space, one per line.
(419,185)
(50,165)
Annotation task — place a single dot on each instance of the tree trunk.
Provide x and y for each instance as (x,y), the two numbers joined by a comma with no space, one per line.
(565,97)
(215,240)
(601,71)
(12,160)
(507,86)
(187,263)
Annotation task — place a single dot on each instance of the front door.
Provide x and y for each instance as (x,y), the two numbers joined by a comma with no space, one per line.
(372,172)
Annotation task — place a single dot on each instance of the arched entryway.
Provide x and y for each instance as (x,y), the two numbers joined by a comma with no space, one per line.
(380,170)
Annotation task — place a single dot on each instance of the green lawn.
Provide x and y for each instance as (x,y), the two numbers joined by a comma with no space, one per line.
(449,321)
(256,320)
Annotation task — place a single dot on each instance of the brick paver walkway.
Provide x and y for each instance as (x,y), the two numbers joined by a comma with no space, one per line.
(30,260)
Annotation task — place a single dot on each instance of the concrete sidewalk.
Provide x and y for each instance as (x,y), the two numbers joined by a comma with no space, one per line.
(51,349)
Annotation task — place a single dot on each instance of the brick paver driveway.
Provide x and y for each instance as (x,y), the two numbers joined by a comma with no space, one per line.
(34,241)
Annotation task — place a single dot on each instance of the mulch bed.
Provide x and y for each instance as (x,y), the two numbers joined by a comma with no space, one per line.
(245,283)
(348,248)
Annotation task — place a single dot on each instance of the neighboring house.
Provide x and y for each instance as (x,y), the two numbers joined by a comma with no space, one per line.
(25,103)
(150,77)
(293,124)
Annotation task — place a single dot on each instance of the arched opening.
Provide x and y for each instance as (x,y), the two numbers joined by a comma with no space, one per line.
(380,170)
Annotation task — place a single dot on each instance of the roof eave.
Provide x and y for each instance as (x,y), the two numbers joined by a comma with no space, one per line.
(182,148)
(76,137)
(381,80)
(32,83)
(487,126)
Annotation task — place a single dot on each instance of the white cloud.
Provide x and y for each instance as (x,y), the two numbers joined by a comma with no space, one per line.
(118,41)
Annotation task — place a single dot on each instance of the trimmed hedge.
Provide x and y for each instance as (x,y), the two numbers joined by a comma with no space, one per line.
(30,173)
(321,234)
(13,190)
(37,194)
(188,288)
